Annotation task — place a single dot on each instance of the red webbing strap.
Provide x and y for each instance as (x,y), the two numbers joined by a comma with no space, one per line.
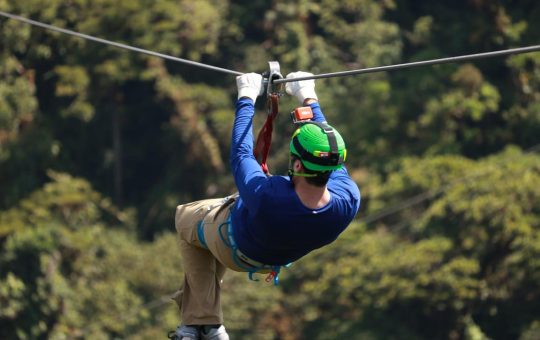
(264,139)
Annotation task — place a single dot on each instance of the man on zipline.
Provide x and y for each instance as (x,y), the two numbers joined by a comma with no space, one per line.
(273,220)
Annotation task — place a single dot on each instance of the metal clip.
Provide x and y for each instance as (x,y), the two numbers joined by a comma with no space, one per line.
(269,76)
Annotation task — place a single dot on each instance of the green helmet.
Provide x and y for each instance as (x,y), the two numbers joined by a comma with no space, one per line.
(319,146)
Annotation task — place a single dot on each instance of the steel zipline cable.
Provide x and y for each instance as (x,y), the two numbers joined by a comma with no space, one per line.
(519,50)
(115,44)
(528,49)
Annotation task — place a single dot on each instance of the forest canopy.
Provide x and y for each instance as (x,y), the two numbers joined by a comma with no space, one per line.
(98,145)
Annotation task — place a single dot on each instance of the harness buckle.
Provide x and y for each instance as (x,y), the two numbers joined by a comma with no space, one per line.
(270,276)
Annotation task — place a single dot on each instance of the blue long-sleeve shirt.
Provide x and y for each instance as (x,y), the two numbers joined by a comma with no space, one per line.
(269,222)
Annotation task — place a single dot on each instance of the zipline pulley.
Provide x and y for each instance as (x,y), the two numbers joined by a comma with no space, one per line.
(273,92)
(273,73)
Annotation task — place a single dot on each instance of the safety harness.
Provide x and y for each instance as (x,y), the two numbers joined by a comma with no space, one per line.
(242,260)
(226,235)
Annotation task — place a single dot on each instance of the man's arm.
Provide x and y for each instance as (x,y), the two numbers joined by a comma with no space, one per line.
(318,115)
(304,91)
(247,172)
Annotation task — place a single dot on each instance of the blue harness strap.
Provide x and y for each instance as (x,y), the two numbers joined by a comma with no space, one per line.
(239,258)
(200,234)
(223,203)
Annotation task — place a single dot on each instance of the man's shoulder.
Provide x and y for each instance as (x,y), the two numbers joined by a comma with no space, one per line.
(281,180)
(344,185)
(279,189)
(278,185)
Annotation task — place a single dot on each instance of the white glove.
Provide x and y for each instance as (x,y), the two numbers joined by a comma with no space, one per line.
(302,89)
(249,85)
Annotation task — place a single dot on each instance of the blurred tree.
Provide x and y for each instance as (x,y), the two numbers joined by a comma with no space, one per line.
(105,114)
(64,274)
(473,105)
(152,134)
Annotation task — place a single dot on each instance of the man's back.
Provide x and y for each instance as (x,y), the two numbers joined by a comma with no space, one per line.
(274,226)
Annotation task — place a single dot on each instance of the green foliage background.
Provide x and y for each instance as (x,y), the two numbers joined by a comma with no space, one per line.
(98,145)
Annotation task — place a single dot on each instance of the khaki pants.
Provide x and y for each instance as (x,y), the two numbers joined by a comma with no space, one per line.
(199,298)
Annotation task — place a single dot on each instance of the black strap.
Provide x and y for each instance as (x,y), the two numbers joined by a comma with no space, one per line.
(329,131)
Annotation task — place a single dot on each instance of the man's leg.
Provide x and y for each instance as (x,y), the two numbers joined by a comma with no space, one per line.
(177,296)
(199,299)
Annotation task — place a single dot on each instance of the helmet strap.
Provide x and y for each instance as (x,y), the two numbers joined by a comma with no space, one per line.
(292,173)
(330,135)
